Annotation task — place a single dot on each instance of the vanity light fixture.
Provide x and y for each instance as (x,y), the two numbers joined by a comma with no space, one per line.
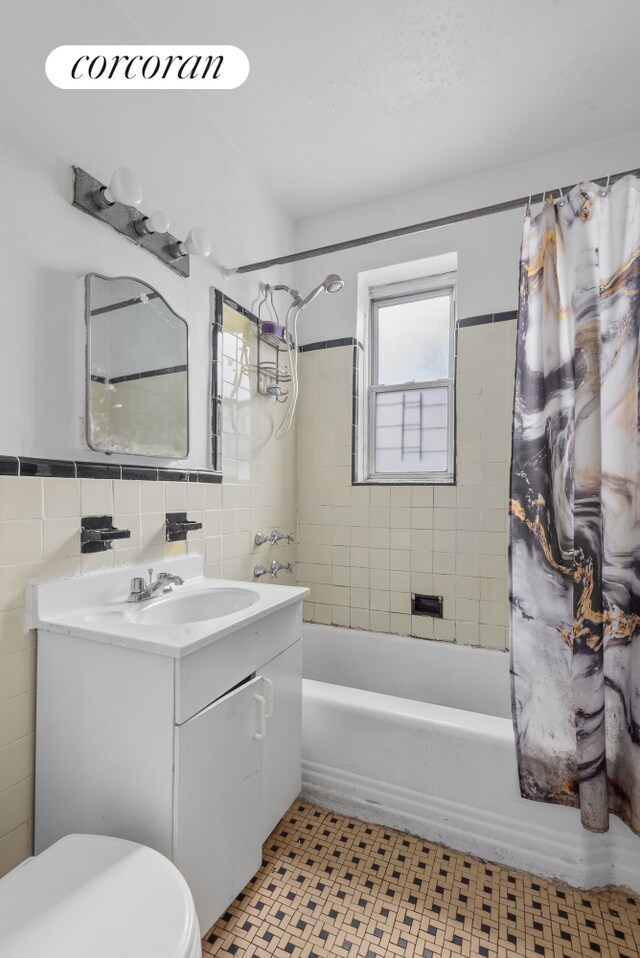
(118,204)
(197,242)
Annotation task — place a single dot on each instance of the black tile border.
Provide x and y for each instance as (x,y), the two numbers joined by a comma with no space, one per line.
(215,387)
(80,469)
(139,472)
(9,466)
(227,301)
(56,468)
(95,470)
(329,344)
(487,318)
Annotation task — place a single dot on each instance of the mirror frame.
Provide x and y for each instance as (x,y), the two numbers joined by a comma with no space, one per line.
(88,410)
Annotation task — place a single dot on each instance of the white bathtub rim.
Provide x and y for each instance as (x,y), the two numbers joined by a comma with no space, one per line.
(360,701)
(602,860)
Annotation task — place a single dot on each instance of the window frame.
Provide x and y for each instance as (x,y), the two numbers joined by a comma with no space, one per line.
(388,295)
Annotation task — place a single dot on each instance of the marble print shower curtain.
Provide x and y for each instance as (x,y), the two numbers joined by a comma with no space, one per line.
(575,506)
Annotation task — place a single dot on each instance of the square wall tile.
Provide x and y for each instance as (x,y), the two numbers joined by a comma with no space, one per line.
(61,497)
(20,497)
(96,497)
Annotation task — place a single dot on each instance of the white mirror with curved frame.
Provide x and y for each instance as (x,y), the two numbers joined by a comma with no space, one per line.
(137,370)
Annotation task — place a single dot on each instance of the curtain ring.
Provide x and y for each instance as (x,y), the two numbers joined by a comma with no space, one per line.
(605,191)
(561,203)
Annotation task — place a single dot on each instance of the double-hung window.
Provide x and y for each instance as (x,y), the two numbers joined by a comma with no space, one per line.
(410,366)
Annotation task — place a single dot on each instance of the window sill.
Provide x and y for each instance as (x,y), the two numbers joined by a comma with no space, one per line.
(413,481)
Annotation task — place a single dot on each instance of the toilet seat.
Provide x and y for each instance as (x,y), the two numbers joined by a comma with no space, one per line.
(98,896)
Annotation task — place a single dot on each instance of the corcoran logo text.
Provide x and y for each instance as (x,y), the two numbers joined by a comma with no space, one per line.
(147,67)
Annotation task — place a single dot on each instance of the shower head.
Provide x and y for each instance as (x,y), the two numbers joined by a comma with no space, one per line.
(331,284)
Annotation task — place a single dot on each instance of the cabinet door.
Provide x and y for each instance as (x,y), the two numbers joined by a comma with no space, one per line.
(218,824)
(282,773)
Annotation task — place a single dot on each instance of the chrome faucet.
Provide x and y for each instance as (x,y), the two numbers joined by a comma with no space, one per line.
(274,537)
(277,536)
(141,590)
(273,569)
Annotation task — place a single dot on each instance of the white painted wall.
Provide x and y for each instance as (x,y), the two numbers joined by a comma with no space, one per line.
(188,168)
(488,248)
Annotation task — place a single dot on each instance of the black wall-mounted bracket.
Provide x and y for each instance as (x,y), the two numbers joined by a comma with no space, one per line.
(98,532)
(123,219)
(177,526)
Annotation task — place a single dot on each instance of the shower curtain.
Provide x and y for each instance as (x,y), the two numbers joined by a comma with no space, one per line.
(575,506)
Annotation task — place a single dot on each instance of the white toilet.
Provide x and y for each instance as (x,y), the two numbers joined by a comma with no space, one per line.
(103,897)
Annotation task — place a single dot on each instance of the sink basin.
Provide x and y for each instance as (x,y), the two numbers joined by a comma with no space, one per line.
(179,609)
(189,618)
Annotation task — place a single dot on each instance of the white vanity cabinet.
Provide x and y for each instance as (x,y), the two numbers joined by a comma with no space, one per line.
(282,778)
(219,778)
(197,755)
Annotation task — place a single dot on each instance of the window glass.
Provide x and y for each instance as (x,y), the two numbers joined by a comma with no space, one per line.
(413,340)
(411,430)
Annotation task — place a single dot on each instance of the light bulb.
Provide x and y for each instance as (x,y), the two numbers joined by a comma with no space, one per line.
(197,243)
(124,187)
(158,222)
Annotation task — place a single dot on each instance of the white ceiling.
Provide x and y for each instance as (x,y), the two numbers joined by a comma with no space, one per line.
(350,101)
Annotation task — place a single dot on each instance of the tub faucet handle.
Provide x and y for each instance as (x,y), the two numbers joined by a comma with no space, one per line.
(279,536)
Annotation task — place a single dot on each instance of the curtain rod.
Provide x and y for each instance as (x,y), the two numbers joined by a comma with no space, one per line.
(419,227)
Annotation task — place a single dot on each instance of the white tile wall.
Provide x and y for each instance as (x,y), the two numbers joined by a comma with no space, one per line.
(39,537)
(363,550)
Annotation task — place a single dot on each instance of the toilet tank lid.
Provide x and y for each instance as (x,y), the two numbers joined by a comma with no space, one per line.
(99,896)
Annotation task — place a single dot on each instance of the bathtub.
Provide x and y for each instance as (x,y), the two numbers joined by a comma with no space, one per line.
(417,735)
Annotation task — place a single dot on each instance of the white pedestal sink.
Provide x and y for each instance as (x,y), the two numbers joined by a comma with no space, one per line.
(175,721)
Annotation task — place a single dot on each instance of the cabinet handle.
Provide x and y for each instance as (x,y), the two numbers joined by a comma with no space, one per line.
(263,717)
(269,712)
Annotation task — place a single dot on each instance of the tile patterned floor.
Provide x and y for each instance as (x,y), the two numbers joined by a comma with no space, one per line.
(335,886)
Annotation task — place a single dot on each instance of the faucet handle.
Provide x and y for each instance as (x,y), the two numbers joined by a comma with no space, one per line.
(137,584)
